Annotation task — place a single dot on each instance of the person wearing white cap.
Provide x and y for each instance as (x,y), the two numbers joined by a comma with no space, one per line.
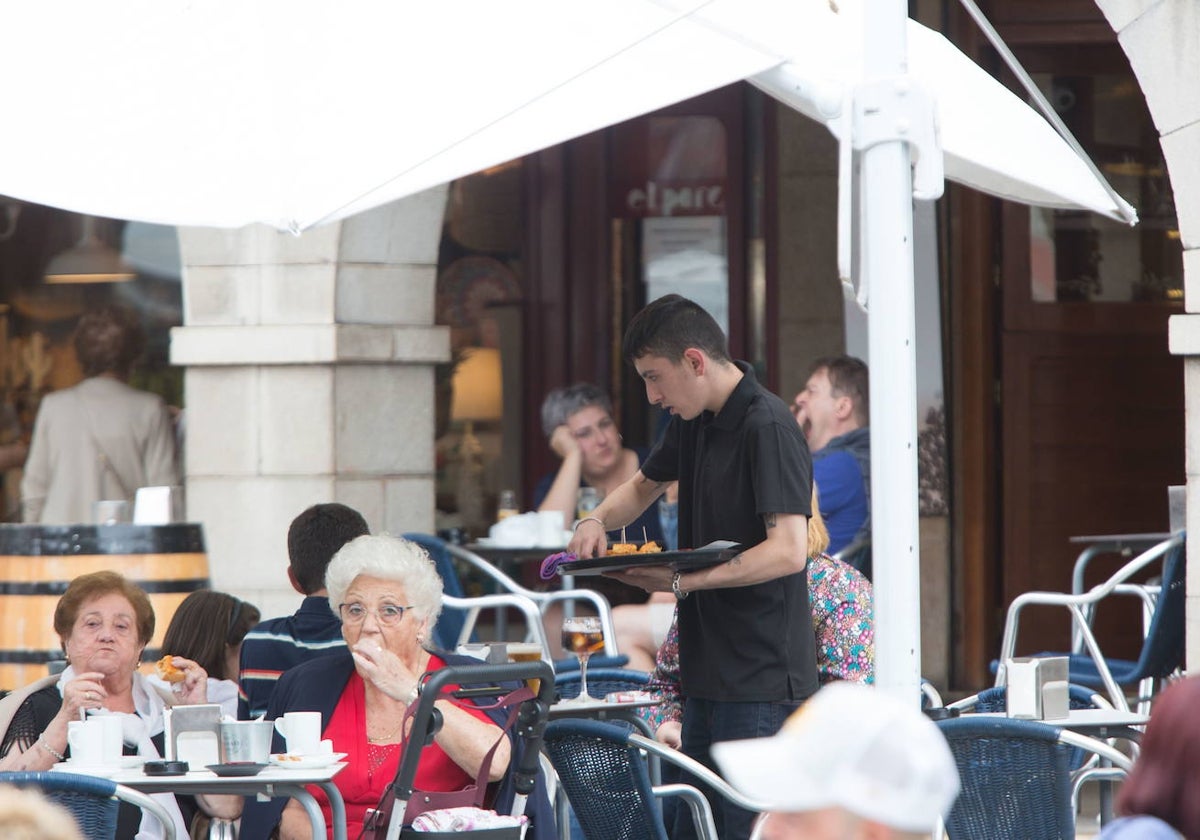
(853,763)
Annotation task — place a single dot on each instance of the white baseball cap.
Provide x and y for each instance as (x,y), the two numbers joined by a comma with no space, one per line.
(851,747)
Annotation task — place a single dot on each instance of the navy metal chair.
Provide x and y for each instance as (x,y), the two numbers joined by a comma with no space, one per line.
(601,681)
(1162,649)
(602,768)
(1017,777)
(91,800)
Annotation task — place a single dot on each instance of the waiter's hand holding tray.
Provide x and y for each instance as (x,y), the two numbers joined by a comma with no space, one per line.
(685,560)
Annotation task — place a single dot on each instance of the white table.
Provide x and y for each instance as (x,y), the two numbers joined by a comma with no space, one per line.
(1096,723)
(272,782)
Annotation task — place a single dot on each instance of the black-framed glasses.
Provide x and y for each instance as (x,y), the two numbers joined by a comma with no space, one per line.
(389,615)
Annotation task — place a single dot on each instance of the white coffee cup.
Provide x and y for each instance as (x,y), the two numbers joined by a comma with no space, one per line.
(302,731)
(86,742)
(114,737)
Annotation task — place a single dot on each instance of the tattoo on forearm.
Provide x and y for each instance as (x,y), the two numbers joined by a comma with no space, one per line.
(735,560)
(769,520)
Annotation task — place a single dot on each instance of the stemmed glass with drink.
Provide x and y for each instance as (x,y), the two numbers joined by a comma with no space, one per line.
(583,636)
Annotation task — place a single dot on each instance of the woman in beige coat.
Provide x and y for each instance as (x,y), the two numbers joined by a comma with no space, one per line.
(100,439)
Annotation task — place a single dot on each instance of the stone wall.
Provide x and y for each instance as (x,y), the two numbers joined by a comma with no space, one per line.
(309,379)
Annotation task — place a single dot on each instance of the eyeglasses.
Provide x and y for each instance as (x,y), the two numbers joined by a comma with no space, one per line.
(389,615)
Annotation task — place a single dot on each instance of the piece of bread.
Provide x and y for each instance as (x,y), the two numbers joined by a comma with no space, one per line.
(623,548)
(651,547)
(167,671)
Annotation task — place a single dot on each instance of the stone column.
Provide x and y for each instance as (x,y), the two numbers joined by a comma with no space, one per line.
(310,377)
(1162,41)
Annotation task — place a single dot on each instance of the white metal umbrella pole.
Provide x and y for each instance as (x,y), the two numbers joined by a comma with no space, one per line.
(888,114)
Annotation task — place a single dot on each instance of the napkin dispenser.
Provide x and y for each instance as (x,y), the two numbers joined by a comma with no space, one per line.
(193,734)
(1037,688)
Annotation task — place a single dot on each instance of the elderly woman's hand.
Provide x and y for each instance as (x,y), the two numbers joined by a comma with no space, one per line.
(384,669)
(194,688)
(86,691)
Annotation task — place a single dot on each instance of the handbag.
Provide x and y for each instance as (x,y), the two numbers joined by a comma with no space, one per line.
(377,820)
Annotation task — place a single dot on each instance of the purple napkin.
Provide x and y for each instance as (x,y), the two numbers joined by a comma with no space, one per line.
(550,565)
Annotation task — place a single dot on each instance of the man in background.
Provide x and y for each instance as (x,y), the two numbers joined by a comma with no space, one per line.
(854,763)
(834,412)
(315,629)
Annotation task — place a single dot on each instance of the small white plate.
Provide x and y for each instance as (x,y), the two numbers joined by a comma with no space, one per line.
(287,761)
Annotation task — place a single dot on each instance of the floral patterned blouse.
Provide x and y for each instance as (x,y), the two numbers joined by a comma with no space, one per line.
(843,624)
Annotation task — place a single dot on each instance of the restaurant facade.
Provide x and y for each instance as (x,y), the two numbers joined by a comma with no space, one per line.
(360,361)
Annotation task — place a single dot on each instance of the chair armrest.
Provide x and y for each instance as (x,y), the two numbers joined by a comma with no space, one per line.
(702,815)
(1079,607)
(1093,745)
(705,775)
(544,599)
(147,803)
(530,611)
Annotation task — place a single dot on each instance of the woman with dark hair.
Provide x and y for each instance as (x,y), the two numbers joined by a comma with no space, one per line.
(208,628)
(1161,798)
(100,439)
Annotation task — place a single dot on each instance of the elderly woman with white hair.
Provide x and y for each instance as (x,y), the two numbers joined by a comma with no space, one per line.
(387,593)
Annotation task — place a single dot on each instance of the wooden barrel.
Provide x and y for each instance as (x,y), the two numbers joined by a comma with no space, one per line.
(37,562)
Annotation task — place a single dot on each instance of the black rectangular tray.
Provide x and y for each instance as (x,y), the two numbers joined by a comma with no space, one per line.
(681,561)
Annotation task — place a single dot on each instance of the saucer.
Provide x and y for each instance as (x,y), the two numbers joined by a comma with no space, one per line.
(239,768)
(291,761)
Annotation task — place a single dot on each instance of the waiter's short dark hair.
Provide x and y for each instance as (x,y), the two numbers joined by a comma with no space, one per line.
(315,536)
(669,326)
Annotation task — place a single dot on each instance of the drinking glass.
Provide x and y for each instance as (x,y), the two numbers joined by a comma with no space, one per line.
(583,636)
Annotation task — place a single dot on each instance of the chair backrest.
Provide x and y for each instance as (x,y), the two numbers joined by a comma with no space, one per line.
(995,699)
(1162,651)
(1016,780)
(605,778)
(91,801)
(450,623)
(601,681)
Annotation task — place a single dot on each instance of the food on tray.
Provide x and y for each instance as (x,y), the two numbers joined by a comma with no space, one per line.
(167,671)
(623,548)
(651,547)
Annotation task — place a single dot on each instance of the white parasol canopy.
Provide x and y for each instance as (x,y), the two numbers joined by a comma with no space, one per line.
(296,112)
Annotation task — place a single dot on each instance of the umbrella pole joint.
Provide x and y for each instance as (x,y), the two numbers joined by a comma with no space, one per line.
(897,108)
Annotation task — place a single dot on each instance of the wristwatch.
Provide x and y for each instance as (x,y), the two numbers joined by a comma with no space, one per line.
(679,593)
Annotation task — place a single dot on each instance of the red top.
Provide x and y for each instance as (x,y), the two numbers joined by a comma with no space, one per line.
(360,785)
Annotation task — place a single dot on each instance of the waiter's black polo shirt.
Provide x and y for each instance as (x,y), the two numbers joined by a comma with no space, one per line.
(749,643)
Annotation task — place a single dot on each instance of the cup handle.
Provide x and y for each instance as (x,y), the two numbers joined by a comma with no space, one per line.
(280,727)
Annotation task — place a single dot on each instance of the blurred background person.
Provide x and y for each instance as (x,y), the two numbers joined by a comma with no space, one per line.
(105,622)
(1161,798)
(853,763)
(834,412)
(99,439)
(208,628)
(26,814)
(314,630)
(579,425)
